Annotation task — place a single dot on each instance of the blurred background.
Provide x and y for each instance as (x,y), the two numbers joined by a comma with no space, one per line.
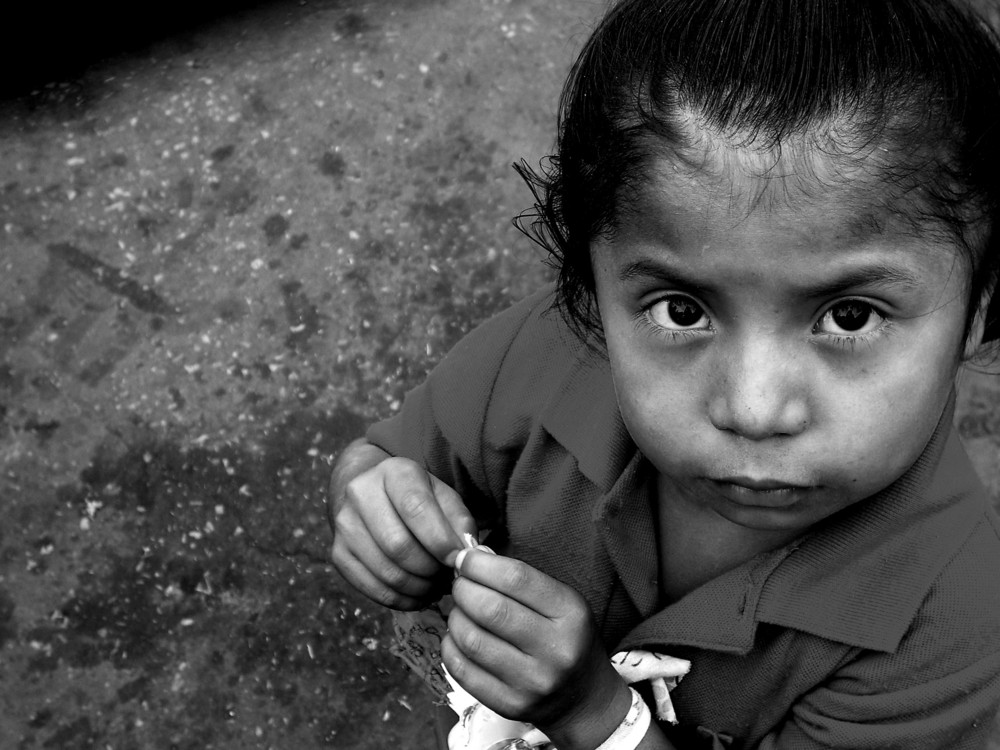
(232,234)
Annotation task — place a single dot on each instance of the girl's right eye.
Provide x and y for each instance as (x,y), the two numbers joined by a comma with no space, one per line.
(678,312)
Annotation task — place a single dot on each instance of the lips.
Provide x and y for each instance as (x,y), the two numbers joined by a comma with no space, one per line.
(767,493)
(761,485)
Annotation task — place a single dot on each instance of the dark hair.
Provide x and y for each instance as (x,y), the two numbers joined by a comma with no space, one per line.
(922,76)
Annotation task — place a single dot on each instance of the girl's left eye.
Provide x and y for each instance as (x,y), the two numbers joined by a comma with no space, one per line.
(678,312)
(851,317)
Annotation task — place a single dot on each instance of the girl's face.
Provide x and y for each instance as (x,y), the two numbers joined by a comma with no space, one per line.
(779,364)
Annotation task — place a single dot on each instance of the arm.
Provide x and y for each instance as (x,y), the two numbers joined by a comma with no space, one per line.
(952,711)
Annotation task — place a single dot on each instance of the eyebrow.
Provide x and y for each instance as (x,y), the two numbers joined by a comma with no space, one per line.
(867,275)
(650,269)
(874,274)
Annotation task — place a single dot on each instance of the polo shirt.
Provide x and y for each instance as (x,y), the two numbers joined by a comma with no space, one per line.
(879,628)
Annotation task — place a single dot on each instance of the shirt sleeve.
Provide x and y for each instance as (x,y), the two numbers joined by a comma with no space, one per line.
(442,422)
(939,690)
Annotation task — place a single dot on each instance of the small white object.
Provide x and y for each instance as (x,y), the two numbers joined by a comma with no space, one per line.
(662,671)
(480,727)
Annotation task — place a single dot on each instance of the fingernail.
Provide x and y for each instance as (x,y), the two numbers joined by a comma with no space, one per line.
(459,559)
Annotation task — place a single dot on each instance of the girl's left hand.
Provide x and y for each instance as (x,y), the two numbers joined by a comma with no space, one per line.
(526,646)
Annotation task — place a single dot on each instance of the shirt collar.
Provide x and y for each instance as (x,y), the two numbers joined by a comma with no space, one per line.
(859,580)
(583,416)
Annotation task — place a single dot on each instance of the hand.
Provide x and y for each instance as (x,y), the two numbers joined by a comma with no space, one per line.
(397,530)
(526,646)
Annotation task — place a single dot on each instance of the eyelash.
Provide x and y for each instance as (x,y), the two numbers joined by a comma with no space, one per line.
(644,323)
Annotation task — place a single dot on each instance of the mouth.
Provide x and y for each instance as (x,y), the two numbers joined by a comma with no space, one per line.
(767,493)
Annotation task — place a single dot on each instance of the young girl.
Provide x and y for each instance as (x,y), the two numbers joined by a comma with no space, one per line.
(726,435)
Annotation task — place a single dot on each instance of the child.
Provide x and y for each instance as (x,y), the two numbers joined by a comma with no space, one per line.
(726,435)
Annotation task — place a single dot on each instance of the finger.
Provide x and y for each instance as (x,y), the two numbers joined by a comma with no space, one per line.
(392,575)
(502,616)
(415,496)
(371,514)
(456,512)
(366,547)
(519,581)
(478,682)
(356,574)
(496,656)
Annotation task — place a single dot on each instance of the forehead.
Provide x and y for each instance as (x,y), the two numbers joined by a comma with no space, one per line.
(876,172)
(820,176)
(794,223)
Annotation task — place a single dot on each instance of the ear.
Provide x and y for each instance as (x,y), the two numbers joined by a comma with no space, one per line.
(974,341)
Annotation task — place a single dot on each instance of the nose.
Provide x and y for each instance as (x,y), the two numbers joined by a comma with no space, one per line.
(758,392)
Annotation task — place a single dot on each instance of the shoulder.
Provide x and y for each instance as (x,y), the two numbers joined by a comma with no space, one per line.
(467,420)
(531,334)
(509,368)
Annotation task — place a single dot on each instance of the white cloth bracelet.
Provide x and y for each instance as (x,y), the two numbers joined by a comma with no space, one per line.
(630,732)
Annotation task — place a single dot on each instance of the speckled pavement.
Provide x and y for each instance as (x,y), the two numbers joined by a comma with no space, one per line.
(219,260)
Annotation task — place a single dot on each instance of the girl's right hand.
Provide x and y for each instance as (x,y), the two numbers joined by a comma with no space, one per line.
(397,531)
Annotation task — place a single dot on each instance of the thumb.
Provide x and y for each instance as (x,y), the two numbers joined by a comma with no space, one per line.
(456,513)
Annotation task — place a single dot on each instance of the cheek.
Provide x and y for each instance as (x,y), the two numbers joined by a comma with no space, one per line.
(874,427)
(909,391)
(660,408)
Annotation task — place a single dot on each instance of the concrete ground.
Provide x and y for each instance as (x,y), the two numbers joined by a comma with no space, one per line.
(222,254)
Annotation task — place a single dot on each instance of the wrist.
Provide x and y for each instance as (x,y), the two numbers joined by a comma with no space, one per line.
(357,458)
(631,731)
(592,722)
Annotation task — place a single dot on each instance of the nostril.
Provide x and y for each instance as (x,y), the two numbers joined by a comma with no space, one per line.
(760,419)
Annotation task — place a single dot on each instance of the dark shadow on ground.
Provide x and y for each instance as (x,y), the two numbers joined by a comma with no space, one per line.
(49,42)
